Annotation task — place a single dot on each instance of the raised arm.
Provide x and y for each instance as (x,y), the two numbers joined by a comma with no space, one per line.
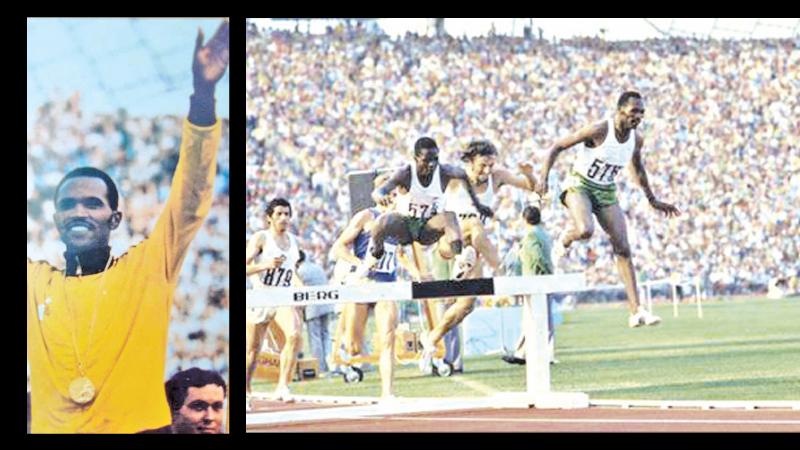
(192,189)
(208,66)
(586,134)
(402,177)
(636,168)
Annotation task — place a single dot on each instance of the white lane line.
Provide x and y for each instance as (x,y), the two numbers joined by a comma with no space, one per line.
(401,406)
(626,421)
(474,385)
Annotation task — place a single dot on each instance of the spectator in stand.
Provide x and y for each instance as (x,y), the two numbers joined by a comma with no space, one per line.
(320,106)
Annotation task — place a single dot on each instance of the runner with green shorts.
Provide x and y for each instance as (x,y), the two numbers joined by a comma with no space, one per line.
(419,217)
(607,147)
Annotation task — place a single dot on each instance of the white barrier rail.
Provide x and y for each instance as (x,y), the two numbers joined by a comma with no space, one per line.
(407,290)
(535,288)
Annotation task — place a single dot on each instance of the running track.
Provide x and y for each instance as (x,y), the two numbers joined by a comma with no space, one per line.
(594,419)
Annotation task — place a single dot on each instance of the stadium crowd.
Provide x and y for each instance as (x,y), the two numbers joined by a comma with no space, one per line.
(722,135)
(140,154)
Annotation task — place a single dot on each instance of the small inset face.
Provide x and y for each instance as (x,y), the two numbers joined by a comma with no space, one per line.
(202,411)
(83,216)
(427,160)
(632,112)
(482,166)
(280,218)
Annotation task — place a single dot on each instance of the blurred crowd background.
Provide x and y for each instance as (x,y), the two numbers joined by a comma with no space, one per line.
(722,135)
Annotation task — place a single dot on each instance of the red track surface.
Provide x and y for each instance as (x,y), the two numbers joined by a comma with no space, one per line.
(593,419)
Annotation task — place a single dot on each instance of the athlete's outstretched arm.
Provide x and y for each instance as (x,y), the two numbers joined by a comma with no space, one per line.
(457,173)
(340,249)
(585,134)
(525,180)
(402,177)
(640,175)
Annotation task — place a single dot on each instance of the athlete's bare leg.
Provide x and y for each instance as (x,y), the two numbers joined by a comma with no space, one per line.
(580,209)
(612,219)
(443,227)
(453,316)
(429,312)
(475,233)
(254,338)
(386,324)
(421,261)
(388,225)
(356,314)
(339,336)
(290,320)
(456,313)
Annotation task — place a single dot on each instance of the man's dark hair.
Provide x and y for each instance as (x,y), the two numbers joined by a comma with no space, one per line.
(113,194)
(177,387)
(278,202)
(422,144)
(532,215)
(476,148)
(627,95)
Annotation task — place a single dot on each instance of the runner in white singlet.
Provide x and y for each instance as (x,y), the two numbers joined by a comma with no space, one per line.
(606,147)
(480,157)
(418,217)
(272,255)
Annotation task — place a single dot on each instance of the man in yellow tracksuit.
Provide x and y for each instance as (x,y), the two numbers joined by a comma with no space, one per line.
(97,330)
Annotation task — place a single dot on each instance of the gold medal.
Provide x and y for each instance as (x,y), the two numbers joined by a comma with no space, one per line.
(81,390)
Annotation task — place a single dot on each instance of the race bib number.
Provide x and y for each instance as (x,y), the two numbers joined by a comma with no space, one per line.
(483,218)
(602,172)
(278,277)
(388,262)
(421,211)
